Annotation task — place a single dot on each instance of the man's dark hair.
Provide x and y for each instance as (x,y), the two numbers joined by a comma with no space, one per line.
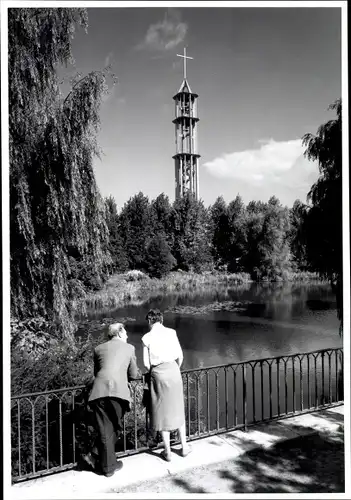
(154,316)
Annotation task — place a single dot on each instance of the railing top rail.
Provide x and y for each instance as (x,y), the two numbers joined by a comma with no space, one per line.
(263,359)
(192,370)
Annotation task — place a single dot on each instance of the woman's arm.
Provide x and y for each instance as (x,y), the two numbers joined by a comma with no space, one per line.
(146,358)
(180,356)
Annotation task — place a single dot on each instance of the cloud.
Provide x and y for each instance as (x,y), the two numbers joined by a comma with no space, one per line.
(279,163)
(165,35)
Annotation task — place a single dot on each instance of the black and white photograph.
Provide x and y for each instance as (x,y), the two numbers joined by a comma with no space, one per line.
(176,249)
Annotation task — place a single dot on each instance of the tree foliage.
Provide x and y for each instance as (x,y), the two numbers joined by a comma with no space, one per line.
(191,245)
(323,222)
(115,247)
(56,210)
(136,229)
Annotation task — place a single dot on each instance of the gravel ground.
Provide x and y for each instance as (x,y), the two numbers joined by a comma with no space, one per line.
(312,464)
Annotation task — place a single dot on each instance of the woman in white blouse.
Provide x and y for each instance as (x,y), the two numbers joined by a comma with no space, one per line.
(163,356)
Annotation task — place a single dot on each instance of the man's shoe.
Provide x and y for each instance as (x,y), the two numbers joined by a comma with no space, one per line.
(90,460)
(185,452)
(117,467)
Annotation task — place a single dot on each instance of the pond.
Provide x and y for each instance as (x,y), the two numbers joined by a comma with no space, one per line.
(271,320)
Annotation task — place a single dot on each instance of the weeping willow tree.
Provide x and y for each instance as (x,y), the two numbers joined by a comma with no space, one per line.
(56,213)
(323,226)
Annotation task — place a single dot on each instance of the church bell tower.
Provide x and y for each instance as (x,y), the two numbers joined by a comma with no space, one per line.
(186,159)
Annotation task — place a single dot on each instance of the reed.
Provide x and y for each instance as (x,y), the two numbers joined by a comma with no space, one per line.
(137,287)
(305,276)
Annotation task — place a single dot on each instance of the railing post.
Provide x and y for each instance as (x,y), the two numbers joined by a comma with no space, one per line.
(308,382)
(286,386)
(301,386)
(188,403)
(244,396)
(73,428)
(135,420)
(217,402)
(198,403)
(226,397)
(315,382)
(278,385)
(322,396)
(208,401)
(293,381)
(19,437)
(253,392)
(235,398)
(336,377)
(329,379)
(60,430)
(33,437)
(262,403)
(270,390)
(124,434)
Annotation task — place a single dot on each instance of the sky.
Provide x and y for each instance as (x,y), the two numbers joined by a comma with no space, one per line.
(265,77)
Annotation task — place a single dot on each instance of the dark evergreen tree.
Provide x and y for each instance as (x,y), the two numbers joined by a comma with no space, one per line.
(119,261)
(160,217)
(191,246)
(297,236)
(220,232)
(238,238)
(159,257)
(136,230)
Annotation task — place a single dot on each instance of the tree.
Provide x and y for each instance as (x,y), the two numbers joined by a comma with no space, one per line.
(267,253)
(191,246)
(237,219)
(54,201)
(274,248)
(220,232)
(159,257)
(160,217)
(136,230)
(324,219)
(115,247)
(297,236)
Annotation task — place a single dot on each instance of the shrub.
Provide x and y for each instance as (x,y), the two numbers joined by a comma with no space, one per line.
(135,275)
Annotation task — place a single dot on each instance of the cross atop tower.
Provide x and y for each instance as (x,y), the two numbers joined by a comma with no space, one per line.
(185,57)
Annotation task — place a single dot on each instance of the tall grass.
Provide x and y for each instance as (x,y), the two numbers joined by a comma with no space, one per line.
(121,289)
(138,287)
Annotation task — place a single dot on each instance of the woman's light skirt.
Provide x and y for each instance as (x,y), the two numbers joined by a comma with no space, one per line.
(167,398)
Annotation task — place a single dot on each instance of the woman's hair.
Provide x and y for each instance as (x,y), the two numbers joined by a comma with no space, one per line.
(154,316)
(114,330)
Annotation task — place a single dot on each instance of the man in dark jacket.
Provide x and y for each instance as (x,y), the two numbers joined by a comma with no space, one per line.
(114,366)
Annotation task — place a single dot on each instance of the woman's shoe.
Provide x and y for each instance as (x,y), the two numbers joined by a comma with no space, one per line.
(166,456)
(185,453)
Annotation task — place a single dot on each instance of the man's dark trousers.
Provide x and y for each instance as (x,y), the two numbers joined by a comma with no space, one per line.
(108,416)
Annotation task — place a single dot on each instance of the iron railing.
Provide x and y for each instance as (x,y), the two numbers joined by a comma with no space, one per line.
(50,429)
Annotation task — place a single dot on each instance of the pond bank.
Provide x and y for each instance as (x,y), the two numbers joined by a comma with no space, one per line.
(121,289)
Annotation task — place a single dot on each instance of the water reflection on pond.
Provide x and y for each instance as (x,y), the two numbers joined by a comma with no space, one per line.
(278,319)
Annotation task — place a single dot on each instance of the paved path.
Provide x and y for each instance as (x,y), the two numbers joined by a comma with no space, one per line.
(302,454)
